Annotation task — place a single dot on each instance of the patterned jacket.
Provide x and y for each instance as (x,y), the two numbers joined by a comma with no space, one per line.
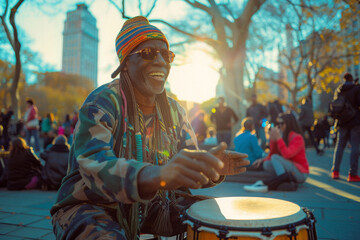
(95,174)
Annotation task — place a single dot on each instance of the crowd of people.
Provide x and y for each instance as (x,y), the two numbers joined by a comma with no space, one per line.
(134,154)
(38,149)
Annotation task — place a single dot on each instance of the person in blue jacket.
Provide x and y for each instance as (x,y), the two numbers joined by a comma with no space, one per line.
(246,142)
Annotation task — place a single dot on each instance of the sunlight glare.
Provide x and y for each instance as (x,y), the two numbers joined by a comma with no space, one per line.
(195,81)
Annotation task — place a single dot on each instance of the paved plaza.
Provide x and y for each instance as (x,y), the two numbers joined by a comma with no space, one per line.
(335,203)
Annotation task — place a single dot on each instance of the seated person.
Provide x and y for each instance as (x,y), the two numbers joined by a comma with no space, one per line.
(56,163)
(211,139)
(134,156)
(286,159)
(245,142)
(24,167)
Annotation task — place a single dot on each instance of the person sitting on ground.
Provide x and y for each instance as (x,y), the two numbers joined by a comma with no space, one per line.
(24,167)
(56,163)
(246,142)
(286,159)
(211,139)
(131,163)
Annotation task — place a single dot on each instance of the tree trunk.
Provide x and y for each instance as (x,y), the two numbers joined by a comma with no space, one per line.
(16,47)
(293,96)
(234,63)
(234,90)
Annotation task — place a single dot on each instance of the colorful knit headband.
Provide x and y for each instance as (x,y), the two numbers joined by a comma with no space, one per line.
(135,31)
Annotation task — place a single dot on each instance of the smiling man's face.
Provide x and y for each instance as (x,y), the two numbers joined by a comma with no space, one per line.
(148,76)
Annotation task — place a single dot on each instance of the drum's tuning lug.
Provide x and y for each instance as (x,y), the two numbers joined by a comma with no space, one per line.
(292,230)
(223,232)
(266,232)
(196,226)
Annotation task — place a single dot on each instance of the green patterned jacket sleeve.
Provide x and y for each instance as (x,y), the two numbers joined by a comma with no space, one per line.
(103,173)
(95,174)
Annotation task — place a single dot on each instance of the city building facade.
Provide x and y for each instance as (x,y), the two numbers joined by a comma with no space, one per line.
(80,43)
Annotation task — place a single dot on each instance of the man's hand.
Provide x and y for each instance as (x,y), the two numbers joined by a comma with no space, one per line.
(191,169)
(234,162)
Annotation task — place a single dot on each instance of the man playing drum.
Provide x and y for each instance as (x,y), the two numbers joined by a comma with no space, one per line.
(131,166)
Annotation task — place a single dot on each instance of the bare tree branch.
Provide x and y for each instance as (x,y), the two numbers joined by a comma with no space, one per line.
(207,40)
(183,42)
(251,8)
(229,11)
(6,28)
(121,10)
(140,9)
(200,6)
(151,9)
(281,83)
(301,5)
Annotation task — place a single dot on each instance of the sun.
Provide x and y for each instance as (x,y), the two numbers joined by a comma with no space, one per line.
(195,81)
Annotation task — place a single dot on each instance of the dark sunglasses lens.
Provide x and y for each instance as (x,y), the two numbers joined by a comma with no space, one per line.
(148,53)
(171,56)
(167,55)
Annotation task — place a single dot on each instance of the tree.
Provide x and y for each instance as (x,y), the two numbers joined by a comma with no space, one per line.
(59,93)
(314,52)
(15,44)
(6,72)
(225,28)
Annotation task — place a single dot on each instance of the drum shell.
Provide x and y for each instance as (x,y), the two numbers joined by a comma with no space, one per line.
(202,227)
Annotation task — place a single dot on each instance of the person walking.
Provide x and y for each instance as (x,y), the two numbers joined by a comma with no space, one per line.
(224,119)
(306,120)
(134,156)
(348,130)
(258,112)
(31,121)
(274,109)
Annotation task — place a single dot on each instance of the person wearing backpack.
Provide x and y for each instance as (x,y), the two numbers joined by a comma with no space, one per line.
(348,128)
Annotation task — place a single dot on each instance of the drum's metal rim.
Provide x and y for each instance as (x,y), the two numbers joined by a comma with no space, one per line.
(240,229)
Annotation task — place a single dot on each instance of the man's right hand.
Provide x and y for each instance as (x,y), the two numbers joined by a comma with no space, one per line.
(191,169)
(188,168)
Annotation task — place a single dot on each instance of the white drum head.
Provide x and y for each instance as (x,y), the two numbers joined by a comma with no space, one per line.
(247,212)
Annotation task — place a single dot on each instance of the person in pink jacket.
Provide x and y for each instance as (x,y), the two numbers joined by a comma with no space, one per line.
(32,123)
(286,159)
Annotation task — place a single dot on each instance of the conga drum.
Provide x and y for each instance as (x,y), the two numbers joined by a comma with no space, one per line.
(249,218)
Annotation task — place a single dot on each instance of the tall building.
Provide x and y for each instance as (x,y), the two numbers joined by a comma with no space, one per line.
(80,43)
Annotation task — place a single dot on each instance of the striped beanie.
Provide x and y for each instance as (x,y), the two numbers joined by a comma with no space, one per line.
(135,31)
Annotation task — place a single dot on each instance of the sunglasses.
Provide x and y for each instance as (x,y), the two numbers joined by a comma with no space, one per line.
(150,54)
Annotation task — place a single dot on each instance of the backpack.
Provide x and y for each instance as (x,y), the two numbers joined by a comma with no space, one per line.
(342,110)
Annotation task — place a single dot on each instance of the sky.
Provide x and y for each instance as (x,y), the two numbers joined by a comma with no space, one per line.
(192,79)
